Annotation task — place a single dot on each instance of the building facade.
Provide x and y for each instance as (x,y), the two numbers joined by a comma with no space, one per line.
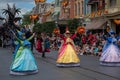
(86,7)
(56,12)
(96,13)
(44,11)
(113,16)
(103,12)
(72,9)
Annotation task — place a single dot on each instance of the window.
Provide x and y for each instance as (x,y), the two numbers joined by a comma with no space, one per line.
(78,8)
(82,7)
(75,9)
(94,7)
(112,3)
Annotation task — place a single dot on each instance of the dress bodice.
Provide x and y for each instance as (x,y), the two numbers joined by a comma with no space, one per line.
(25,43)
(111,40)
(69,40)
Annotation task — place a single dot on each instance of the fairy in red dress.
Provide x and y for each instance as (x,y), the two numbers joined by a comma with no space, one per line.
(67,55)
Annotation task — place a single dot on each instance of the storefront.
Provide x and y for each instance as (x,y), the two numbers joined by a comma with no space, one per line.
(114,21)
(96,25)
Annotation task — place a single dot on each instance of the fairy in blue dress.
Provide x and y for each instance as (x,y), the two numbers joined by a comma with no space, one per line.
(111,53)
(24,62)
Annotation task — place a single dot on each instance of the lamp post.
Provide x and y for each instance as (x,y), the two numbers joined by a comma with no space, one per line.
(56,23)
(81,21)
(56,30)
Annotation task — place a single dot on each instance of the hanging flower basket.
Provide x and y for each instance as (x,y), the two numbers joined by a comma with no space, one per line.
(117,21)
(81,29)
(93,14)
(56,31)
(34,16)
(65,3)
(99,13)
(40,1)
(106,12)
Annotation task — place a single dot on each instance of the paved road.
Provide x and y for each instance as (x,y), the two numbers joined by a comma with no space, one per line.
(89,69)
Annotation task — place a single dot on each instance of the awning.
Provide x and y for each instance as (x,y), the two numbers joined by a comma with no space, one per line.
(115,15)
(96,24)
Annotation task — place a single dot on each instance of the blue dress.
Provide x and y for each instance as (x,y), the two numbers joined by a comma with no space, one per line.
(111,53)
(24,62)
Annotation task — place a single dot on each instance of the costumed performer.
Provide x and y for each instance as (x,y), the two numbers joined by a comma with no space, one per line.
(46,46)
(111,53)
(39,44)
(67,55)
(24,62)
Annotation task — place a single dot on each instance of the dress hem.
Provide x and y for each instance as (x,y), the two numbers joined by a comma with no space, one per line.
(68,64)
(110,63)
(23,72)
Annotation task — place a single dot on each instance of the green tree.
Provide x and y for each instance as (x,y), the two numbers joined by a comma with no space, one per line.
(47,27)
(73,24)
(10,14)
(26,19)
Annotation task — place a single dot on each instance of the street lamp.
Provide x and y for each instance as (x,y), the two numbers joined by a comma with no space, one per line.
(80,21)
(56,30)
(56,23)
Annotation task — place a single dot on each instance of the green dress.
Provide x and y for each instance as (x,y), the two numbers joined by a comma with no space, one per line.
(24,62)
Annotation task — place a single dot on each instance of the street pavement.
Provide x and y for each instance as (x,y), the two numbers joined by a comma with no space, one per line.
(88,70)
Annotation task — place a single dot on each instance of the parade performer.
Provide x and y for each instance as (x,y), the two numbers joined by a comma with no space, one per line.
(46,46)
(24,62)
(67,55)
(39,44)
(111,53)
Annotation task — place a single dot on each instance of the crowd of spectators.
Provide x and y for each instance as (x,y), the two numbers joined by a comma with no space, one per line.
(87,44)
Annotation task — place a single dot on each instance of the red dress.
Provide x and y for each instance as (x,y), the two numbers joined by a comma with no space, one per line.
(67,55)
(39,45)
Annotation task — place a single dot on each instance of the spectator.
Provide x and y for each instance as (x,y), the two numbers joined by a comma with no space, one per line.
(95,51)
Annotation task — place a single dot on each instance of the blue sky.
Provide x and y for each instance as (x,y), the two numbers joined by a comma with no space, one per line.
(25,5)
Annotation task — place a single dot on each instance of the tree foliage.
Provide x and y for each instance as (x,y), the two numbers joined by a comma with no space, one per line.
(26,19)
(73,24)
(44,27)
(11,13)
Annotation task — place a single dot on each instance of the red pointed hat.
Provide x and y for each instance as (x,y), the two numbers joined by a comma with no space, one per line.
(67,31)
